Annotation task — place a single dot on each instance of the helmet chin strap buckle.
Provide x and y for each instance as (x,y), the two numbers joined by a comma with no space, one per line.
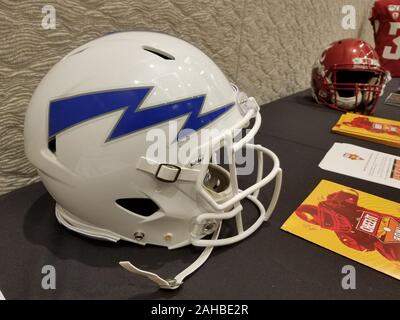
(175,283)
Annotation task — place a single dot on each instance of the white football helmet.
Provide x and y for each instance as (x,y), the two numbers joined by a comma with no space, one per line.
(86,132)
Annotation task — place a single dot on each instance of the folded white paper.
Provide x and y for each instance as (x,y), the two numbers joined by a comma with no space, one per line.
(362,163)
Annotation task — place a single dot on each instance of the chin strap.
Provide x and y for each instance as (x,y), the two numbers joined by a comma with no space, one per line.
(175,283)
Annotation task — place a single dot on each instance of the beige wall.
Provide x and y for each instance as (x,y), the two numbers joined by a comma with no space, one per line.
(265,46)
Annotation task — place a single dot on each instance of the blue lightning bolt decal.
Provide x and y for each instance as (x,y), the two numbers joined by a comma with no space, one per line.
(68,112)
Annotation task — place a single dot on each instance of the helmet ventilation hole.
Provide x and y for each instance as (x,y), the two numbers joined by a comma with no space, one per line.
(140,206)
(52,144)
(157,52)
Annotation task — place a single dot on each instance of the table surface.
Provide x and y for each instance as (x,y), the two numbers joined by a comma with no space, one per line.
(270,264)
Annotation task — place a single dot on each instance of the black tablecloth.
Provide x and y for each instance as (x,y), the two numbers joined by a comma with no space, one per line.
(271,264)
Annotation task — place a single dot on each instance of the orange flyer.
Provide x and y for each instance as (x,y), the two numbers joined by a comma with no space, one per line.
(352,223)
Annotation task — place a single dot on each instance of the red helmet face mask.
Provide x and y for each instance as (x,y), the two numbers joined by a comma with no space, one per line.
(348,77)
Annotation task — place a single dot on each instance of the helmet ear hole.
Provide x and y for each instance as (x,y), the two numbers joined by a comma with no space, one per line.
(216,179)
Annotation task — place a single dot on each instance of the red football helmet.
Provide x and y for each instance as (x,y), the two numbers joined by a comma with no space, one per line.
(348,77)
(340,213)
(336,213)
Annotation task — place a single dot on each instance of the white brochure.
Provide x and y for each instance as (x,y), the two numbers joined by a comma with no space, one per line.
(363,163)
